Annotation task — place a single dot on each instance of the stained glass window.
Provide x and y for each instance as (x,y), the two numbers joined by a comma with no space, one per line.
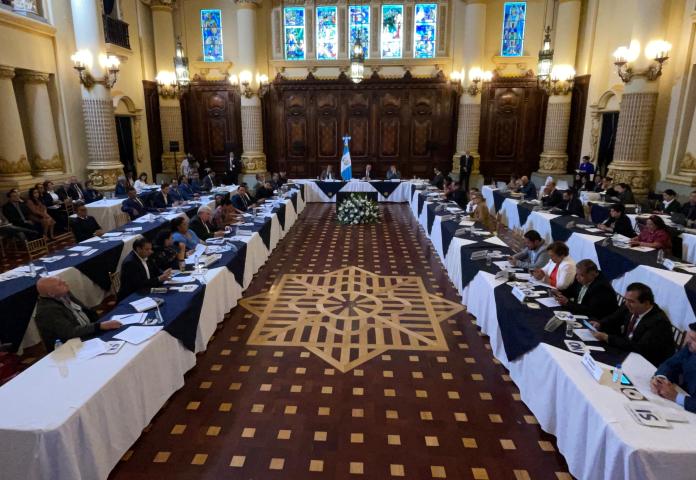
(294,29)
(211,29)
(359,27)
(327,33)
(392,30)
(514,16)
(425,30)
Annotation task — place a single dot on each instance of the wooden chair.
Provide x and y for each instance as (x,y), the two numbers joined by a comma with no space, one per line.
(122,218)
(36,248)
(115,279)
(679,337)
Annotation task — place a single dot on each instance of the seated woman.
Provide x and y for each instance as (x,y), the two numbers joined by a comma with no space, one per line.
(91,194)
(583,183)
(166,255)
(141,183)
(482,214)
(560,271)
(121,186)
(182,234)
(38,213)
(624,194)
(50,197)
(225,214)
(514,183)
(654,234)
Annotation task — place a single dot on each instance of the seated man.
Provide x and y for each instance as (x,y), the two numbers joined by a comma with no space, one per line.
(276,182)
(75,190)
(174,192)
(60,316)
(669,203)
(438,180)
(327,174)
(393,173)
(92,194)
(590,294)
(618,222)
(527,188)
(471,205)
(552,196)
(606,186)
(241,200)
(209,180)
(624,194)
(202,226)
(132,205)
(534,255)
(185,190)
(17,213)
(162,198)
(689,210)
(9,230)
(368,173)
(264,190)
(84,226)
(138,270)
(679,369)
(571,204)
(638,326)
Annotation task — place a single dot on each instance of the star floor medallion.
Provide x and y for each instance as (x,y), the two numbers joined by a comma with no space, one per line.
(349,316)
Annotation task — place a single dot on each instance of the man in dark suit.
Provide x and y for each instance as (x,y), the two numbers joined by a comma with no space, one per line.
(528,189)
(571,204)
(327,174)
(689,209)
(17,213)
(618,222)
(202,226)
(209,180)
(552,196)
(264,190)
(466,163)
(162,198)
(60,316)
(669,203)
(638,326)
(132,205)
(84,226)
(368,173)
(174,193)
(75,190)
(438,180)
(590,294)
(139,271)
(241,200)
(185,190)
(679,369)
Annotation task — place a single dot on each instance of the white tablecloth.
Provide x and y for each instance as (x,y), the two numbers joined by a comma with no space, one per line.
(79,426)
(104,212)
(314,194)
(688,247)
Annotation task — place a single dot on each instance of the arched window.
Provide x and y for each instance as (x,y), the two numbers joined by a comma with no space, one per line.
(514,19)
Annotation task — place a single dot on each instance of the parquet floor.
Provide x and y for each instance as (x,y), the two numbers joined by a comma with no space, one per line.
(326,371)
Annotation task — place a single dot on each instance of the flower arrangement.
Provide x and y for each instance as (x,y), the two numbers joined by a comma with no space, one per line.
(357,210)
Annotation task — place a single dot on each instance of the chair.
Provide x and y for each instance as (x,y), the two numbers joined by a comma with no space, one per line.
(36,248)
(679,337)
(122,218)
(115,279)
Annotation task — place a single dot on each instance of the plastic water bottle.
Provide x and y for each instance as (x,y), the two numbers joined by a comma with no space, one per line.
(32,271)
(616,377)
(569,328)
(639,209)
(60,361)
(489,259)
(660,256)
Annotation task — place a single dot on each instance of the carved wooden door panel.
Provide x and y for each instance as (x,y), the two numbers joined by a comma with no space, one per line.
(296,140)
(421,133)
(327,127)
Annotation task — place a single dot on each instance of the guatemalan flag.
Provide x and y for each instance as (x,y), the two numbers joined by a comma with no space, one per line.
(346,167)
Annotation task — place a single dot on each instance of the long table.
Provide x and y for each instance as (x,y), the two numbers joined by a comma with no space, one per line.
(594,430)
(326,191)
(105,402)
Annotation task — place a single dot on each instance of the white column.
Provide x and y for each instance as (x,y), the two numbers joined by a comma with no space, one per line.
(554,159)
(45,155)
(170,108)
(631,163)
(469,119)
(253,158)
(13,154)
(104,164)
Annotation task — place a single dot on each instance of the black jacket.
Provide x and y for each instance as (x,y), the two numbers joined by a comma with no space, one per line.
(199,228)
(263,192)
(84,228)
(134,278)
(652,337)
(239,203)
(56,321)
(621,225)
(572,207)
(13,216)
(92,195)
(466,163)
(160,202)
(438,181)
(671,208)
(689,211)
(74,191)
(598,302)
(554,199)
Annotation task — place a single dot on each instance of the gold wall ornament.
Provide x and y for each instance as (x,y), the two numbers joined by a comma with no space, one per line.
(252,163)
(20,167)
(688,163)
(47,164)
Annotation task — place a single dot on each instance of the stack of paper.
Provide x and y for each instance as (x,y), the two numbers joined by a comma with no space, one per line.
(144,304)
(137,335)
(130,318)
(79,248)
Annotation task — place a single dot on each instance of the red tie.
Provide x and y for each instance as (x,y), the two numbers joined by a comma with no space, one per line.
(554,275)
(631,325)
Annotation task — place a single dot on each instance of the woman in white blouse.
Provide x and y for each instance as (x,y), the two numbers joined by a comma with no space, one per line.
(141,182)
(560,271)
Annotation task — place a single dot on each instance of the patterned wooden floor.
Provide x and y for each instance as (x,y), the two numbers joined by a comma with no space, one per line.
(262,404)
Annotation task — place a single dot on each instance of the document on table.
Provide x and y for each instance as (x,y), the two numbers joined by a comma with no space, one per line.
(112,234)
(585,334)
(144,304)
(90,349)
(181,279)
(137,335)
(502,264)
(549,302)
(467,223)
(539,283)
(496,241)
(78,248)
(593,230)
(130,318)
(642,249)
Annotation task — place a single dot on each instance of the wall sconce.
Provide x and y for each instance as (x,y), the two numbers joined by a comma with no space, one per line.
(476,75)
(657,51)
(456,78)
(167,86)
(83,61)
(181,67)
(246,88)
(561,80)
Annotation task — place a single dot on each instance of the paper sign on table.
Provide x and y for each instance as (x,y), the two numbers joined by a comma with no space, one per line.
(137,335)
(585,334)
(549,302)
(144,304)
(130,318)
